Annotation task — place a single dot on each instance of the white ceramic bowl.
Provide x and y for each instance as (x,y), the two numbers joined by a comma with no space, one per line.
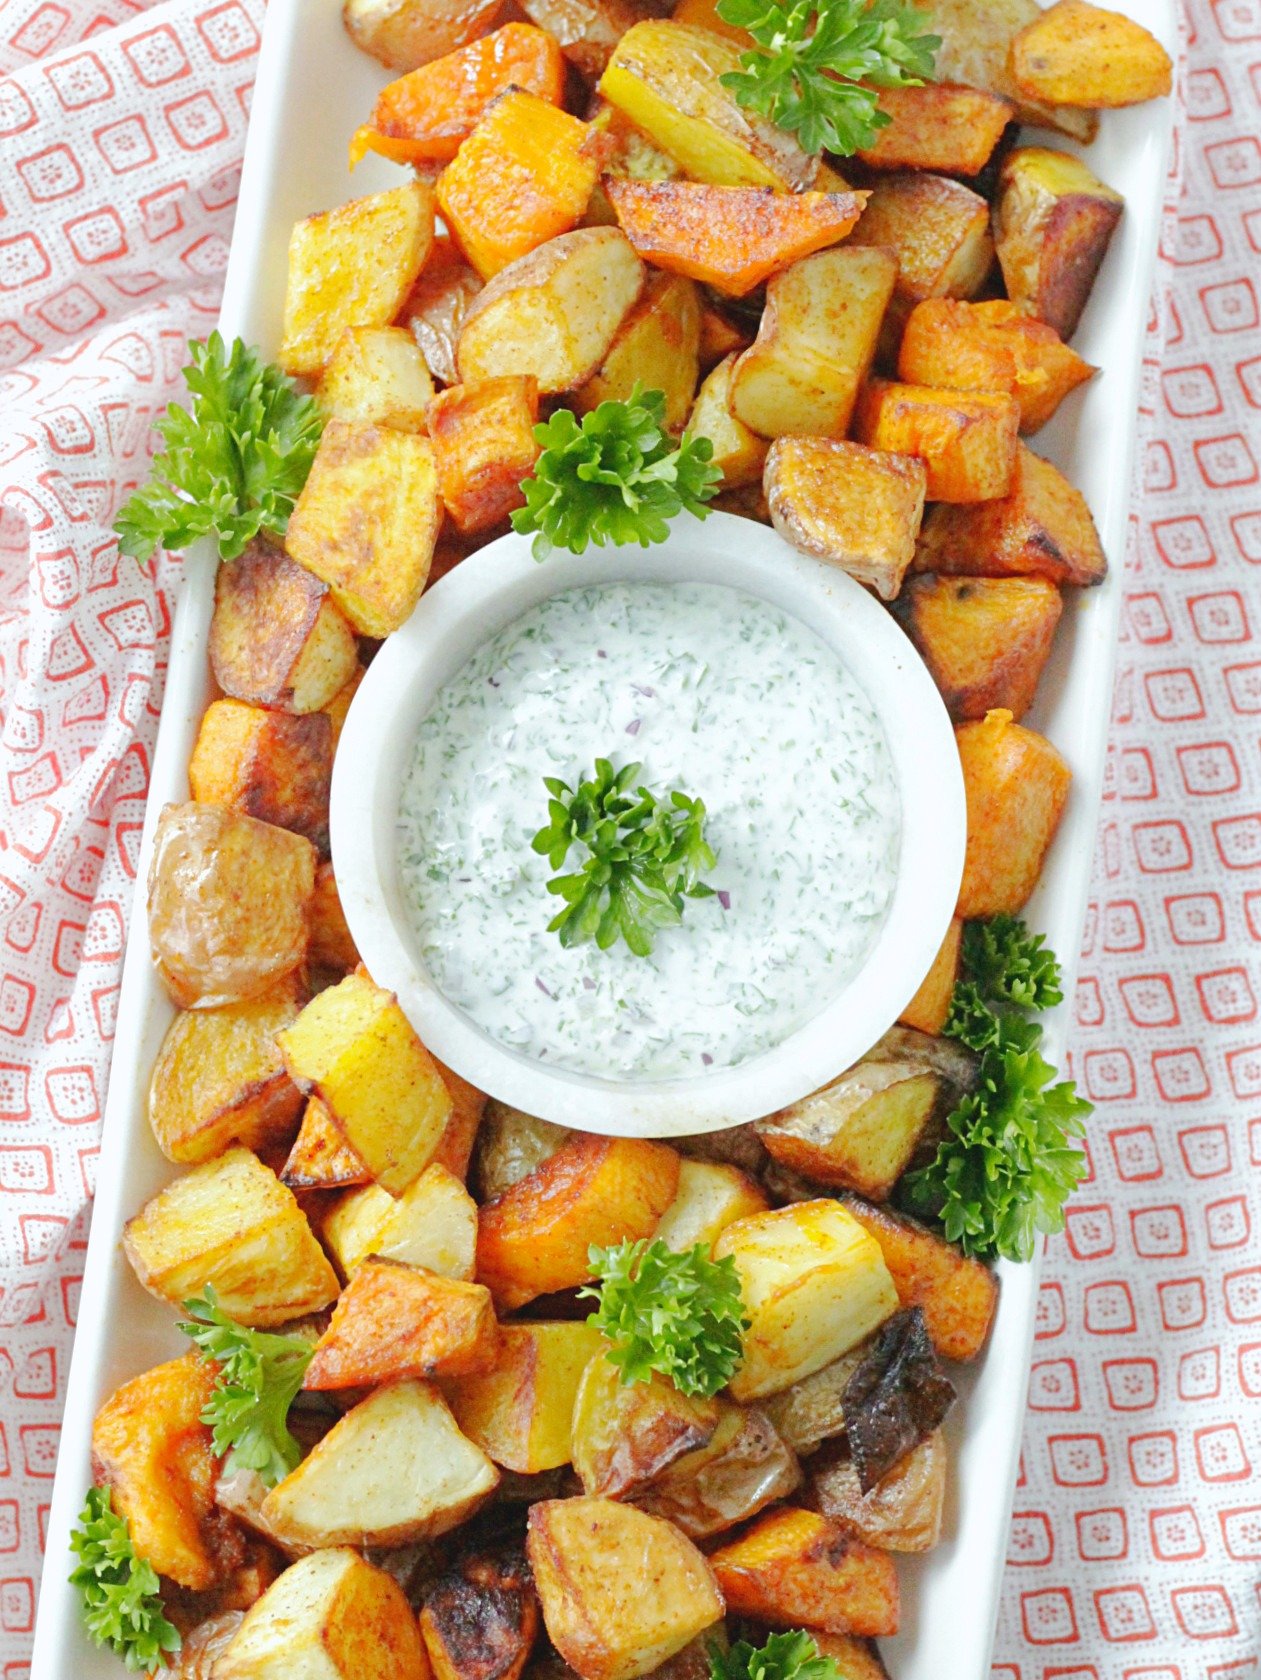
(497,585)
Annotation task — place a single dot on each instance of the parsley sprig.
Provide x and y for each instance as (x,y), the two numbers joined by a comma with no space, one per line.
(812,56)
(644,857)
(678,1314)
(618,477)
(119,1589)
(233,465)
(785,1656)
(1007,1163)
(259,1375)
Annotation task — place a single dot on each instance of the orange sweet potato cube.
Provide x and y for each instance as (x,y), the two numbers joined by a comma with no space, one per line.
(929,1007)
(793,1568)
(394,1320)
(966,439)
(1017,786)
(483,439)
(275,766)
(984,640)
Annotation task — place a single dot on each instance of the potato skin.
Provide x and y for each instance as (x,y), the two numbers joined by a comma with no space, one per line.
(1053,221)
(480,1622)
(1016,785)
(404,34)
(976,36)
(985,640)
(902,1513)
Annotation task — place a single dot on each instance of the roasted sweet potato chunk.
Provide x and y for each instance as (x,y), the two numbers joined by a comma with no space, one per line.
(901,1513)
(928,1009)
(1053,220)
(275,766)
(966,439)
(938,126)
(1078,54)
(483,439)
(479,1622)
(793,1569)
(984,640)
(534,1238)
(321,1159)
(395,1320)
(1017,786)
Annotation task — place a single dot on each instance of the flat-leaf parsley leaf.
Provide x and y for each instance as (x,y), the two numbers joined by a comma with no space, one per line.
(120,1604)
(785,1656)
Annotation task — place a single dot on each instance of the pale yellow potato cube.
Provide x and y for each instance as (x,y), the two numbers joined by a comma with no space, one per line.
(710,1197)
(377,376)
(432,1224)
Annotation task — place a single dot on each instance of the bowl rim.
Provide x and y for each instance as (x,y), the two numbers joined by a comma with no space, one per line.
(495,586)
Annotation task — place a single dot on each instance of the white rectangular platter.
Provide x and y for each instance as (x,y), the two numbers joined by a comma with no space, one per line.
(313,89)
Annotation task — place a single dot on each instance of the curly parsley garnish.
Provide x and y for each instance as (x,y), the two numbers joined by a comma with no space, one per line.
(811,57)
(679,1314)
(644,857)
(121,1606)
(1007,1164)
(235,465)
(259,1375)
(785,1656)
(618,477)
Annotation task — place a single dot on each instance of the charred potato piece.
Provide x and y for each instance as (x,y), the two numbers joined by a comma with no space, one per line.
(1053,220)
(976,37)
(966,439)
(1016,785)
(950,129)
(321,1159)
(657,346)
(738,453)
(510,1145)
(395,1320)
(794,1568)
(521,1412)
(483,439)
(432,1224)
(1080,54)
(275,766)
(984,640)
(857,508)
(928,1009)
(734,1146)
(404,34)
(480,1622)
(741,1469)
(626,1434)
(902,1512)
(710,1197)
(377,376)
(896,1397)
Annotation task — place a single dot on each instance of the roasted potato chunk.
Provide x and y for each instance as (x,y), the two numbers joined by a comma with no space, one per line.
(855,1659)
(738,453)
(468,1104)
(626,1434)
(276,639)
(404,34)
(741,1469)
(330,1616)
(814,344)
(331,943)
(395,1320)
(857,508)
(984,640)
(937,126)
(228,899)
(521,1411)
(966,439)
(901,1513)
(480,1622)
(666,78)
(535,1237)
(509,1146)
(721,336)
(275,766)
(813,1285)
(928,1009)
(710,1197)
(156,1457)
(794,1568)
(939,232)
(437,305)
(1077,54)
(353,1046)
(958,1295)
(587,30)
(621,1591)
(321,1159)
(432,1224)
(813,1410)
(657,347)
(553,313)
(231,1223)
(219,1078)
(1017,787)
(991,346)
(367,520)
(1053,220)
(352,267)
(377,376)
(394,1468)
(976,36)
(483,440)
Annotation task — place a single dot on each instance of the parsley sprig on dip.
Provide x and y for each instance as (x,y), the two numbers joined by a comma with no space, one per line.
(644,857)
(119,1589)
(818,63)
(679,1314)
(1008,1162)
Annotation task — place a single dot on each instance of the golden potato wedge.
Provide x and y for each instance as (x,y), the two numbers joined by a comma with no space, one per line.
(666,78)
(657,346)
(321,1159)
(813,1285)
(367,520)
(739,1471)
(553,313)
(377,376)
(353,1046)
(1080,54)
(814,344)
(231,1223)
(219,1078)
(275,766)
(587,30)
(793,1568)
(738,453)
(276,639)
(404,34)
(521,1412)
(938,126)
(621,1591)
(352,267)
(330,1616)
(958,1296)
(928,1009)
(855,1659)
(437,304)
(991,346)
(338,707)
(392,1469)
(510,1145)
(1017,787)
(534,1237)
(813,1410)
(395,1320)
(484,445)
(966,439)
(902,1513)
(156,1457)
(468,1105)
(228,901)
(432,1224)
(976,36)
(939,232)
(1041,527)
(984,640)
(331,943)
(710,1197)
(1053,220)
(857,508)
(626,1434)
(479,1622)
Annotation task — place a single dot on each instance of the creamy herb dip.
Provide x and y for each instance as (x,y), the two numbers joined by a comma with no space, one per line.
(720,695)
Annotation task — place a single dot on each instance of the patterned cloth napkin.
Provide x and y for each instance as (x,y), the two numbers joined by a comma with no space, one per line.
(1137,1532)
